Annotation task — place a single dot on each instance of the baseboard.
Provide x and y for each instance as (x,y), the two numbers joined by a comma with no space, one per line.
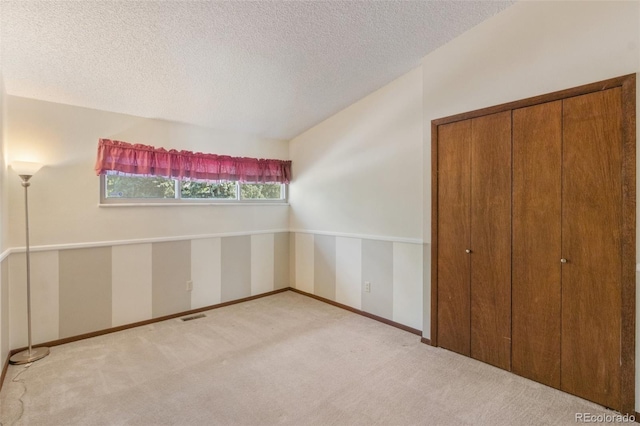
(425,341)
(359,312)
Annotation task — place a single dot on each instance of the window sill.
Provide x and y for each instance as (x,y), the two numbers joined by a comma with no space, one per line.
(249,203)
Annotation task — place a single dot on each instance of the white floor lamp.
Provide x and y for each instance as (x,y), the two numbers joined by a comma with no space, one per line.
(25,170)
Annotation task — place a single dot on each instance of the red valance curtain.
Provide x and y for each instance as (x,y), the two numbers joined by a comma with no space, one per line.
(116,157)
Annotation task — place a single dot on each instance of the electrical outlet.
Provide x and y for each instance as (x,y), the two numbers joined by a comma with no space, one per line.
(189,286)
(367,287)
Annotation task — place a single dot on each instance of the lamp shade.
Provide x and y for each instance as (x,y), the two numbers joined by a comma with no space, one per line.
(25,168)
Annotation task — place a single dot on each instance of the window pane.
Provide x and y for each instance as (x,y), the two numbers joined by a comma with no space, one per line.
(261,191)
(139,187)
(225,190)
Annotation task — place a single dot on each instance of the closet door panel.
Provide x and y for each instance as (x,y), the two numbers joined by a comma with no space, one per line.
(491,239)
(592,245)
(453,236)
(536,286)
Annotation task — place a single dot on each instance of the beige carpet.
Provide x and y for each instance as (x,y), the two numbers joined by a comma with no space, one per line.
(284,359)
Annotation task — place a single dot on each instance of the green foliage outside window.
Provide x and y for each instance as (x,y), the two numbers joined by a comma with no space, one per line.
(140,187)
(258,191)
(164,188)
(225,190)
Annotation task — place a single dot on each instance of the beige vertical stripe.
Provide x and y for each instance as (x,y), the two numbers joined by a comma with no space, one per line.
(377,268)
(236,267)
(171,269)
(85,290)
(349,271)
(281,260)
(292,259)
(304,262)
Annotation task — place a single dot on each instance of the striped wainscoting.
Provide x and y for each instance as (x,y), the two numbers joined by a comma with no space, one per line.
(4,307)
(83,290)
(336,267)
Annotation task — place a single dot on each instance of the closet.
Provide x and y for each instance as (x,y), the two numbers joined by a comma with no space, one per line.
(533,227)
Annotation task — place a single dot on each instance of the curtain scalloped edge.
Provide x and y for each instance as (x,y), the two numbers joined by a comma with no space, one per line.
(117,157)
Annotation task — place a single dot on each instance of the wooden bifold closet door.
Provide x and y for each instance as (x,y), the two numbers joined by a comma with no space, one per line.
(454,265)
(592,246)
(534,239)
(537,213)
(474,234)
(491,239)
(567,221)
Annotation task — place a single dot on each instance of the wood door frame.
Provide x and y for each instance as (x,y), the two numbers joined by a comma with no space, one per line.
(628,308)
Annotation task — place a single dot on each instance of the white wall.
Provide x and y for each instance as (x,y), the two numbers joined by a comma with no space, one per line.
(64,195)
(531,48)
(4,216)
(356,204)
(360,171)
(4,264)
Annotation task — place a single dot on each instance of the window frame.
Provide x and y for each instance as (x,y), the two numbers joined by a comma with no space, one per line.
(178,200)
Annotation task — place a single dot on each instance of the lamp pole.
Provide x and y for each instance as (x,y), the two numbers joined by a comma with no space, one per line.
(26,171)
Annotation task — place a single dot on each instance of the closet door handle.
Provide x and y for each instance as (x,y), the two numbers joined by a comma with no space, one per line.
(468,251)
(563,260)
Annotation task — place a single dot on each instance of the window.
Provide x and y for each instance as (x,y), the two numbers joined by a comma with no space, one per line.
(117,189)
(136,173)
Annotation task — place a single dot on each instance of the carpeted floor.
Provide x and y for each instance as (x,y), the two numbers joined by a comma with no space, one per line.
(284,359)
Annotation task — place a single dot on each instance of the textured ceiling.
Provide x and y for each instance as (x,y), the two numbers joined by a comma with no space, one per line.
(271,68)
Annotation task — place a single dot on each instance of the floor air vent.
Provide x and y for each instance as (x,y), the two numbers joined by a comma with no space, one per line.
(192,317)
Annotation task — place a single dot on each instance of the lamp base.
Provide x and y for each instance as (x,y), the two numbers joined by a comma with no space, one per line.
(25,357)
